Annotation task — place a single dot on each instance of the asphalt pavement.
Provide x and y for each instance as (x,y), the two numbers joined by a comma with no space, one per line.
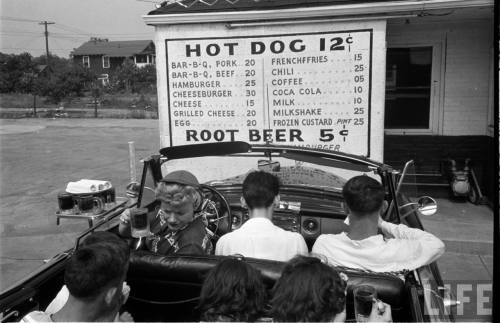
(467,231)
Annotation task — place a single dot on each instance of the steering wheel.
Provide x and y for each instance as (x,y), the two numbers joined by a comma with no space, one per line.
(216,211)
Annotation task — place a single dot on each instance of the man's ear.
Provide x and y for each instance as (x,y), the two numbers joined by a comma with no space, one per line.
(243,202)
(384,207)
(110,294)
(277,200)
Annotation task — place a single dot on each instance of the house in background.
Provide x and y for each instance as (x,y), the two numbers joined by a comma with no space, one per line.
(103,56)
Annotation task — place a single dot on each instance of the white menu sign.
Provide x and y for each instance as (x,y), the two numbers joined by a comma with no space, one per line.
(304,89)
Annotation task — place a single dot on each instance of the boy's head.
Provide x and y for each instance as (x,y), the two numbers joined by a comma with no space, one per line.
(363,195)
(95,274)
(108,237)
(260,189)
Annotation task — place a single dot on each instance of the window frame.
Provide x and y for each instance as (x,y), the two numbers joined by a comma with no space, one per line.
(104,60)
(144,55)
(87,58)
(436,87)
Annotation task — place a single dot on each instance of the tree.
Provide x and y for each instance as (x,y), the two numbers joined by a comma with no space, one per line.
(133,79)
(64,79)
(145,80)
(15,71)
(124,75)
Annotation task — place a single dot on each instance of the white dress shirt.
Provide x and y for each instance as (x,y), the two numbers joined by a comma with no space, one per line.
(260,238)
(408,249)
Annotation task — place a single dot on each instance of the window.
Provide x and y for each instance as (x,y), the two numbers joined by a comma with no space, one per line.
(412,91)
(105,61)
(86,61)
(141,59)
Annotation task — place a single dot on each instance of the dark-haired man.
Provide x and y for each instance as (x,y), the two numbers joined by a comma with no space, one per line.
(94,276)
(96,237)
(362,247)
(258,237)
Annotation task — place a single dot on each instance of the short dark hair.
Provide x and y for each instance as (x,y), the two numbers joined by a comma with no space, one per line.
(106,236)
(363,194)
(93,268)
(260,188)
(233,290)
(308,291)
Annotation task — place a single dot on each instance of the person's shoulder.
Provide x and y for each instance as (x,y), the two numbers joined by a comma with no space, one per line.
(223,239)
(330,236)
(326,239)
(229,236)
(36,316)
(293,235)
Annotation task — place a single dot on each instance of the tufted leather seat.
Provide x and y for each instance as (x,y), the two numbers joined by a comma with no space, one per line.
(166,288)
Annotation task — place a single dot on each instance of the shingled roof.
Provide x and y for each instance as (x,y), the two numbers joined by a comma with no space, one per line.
(125,48)
(192,6)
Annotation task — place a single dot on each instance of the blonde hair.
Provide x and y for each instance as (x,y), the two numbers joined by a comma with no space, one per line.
(177,194)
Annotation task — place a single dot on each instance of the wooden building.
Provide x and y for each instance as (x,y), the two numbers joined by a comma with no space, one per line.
(103,56)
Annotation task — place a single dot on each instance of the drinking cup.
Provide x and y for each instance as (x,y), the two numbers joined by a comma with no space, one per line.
(89,203)
(110,196)
(66,203)
(139,223)
(364,295)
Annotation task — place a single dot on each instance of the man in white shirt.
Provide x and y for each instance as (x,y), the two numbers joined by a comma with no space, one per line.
(97,237)
(258,237)
(398,248)
(94,276)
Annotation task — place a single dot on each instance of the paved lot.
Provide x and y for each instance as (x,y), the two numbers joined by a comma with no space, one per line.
(39,156)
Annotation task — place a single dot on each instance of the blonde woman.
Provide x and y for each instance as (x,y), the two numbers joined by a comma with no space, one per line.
(176,225)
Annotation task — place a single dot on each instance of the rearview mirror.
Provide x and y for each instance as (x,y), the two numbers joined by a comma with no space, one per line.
(268,165)
(425,205)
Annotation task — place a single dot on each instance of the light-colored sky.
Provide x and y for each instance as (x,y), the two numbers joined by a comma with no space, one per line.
(75,22)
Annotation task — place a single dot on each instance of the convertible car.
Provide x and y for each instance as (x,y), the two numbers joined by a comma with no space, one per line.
(166,288)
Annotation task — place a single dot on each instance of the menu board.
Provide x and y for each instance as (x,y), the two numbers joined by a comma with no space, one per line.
(302,89)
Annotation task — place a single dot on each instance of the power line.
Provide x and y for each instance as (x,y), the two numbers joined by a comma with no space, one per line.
(30,48)
(21,35)
(73,29)
(55,41)
(17,19)
(19,31)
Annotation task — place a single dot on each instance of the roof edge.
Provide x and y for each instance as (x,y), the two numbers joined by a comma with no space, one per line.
(369,8)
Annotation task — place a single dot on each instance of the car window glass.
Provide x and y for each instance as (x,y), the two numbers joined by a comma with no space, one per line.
(233,170)
(148,191)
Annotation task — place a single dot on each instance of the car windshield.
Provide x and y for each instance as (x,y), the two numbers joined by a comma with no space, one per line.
(291,172)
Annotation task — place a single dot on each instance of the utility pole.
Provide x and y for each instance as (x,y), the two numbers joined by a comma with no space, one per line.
(46,37)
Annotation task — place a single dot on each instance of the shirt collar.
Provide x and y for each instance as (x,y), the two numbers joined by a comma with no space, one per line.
(254,222)
(373,240)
